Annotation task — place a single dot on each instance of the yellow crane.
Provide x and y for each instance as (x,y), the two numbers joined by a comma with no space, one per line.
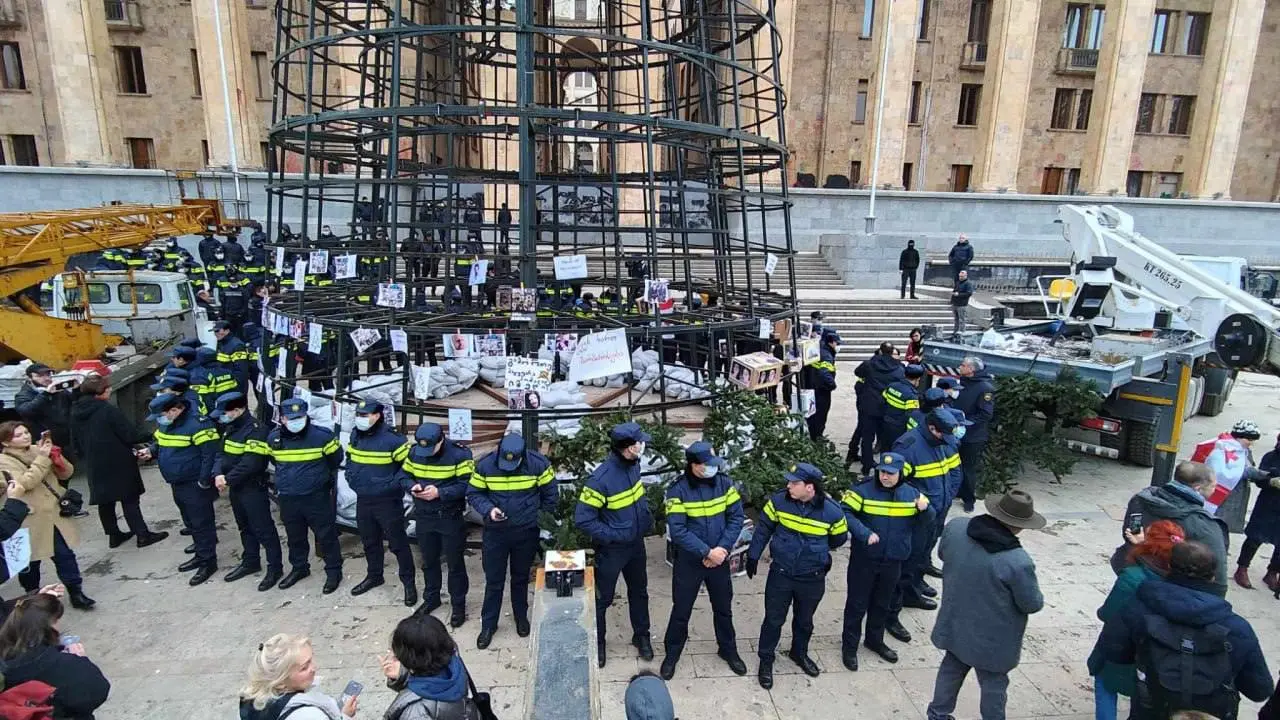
(34,247)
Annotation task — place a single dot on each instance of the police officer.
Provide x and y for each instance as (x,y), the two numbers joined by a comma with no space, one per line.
(977,400)
(176,381)
(884,514)
(233,249)
(704,520)
(306,458)
(208,244)
(437,473)
(255,260)
(241,465)
(184,448)
(465,255)
(613,511)
(208,379)
(232,354)
(174,257)
(822,378)
(234,290)
(900,398)
(801,526)
(932,399)
(374,455)
(877,373)
(951,387)
(508,489)
(215,268)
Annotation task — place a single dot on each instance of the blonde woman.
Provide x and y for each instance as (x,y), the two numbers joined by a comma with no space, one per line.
(281,679)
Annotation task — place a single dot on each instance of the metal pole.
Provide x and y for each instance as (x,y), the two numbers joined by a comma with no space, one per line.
(875,157)
(525,101)
(226,99)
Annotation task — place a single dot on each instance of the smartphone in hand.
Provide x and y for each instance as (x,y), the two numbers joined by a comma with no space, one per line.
(1135,523)
(68,640)
(353,689)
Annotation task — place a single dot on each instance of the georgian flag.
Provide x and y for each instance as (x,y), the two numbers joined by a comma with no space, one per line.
(1228,459)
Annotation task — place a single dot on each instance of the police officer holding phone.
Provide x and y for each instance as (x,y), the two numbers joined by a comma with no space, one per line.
(240,465)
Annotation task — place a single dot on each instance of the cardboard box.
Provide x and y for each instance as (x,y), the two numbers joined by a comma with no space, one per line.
(810,351)
(755,371)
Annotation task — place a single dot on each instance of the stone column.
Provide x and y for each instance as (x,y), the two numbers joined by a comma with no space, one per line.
(84,82)
(1011,44)
(1122,64)
(1224,91)
(895,23)
(244,135)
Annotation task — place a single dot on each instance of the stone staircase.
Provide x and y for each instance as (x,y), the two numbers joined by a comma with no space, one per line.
(864,323)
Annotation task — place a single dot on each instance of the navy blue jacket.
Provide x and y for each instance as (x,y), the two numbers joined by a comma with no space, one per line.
(306,462)
(877,373)
(208,380)
(1264,523)
(449,470)
(373,461)
(184,450)
(520,494)
(1194,607)
(930,462)
(243,454)
(889,513)
(612,508)
(900,398)
(233,356)
(800,535)
(978,403)
(822,374)
(961,293)
(704,513)
(961,255)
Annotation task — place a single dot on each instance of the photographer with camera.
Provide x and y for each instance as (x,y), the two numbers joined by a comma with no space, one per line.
(46,406)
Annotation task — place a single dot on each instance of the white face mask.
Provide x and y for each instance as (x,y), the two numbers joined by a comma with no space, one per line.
(959,432)
(953,394)
(296,426)
(364,422)
(709,471)
(638,450)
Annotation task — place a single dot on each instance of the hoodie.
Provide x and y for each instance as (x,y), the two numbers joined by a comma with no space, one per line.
(877,373)
(991,534)
(1183,505)
(1185,602)
(647,698)
(432,697)
(79,686)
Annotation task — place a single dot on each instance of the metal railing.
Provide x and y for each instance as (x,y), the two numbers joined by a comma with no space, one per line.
(975,55)
(1078,60)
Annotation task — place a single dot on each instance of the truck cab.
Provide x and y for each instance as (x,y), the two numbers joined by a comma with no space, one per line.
(142,307)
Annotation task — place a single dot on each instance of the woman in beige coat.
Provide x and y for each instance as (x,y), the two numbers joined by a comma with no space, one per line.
(40,469)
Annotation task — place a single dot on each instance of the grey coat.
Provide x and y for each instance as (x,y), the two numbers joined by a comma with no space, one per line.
(1179,503)
(409,706)
(985,602)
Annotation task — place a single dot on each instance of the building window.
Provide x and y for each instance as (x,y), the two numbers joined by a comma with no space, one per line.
(204,153)
(855,173)
(1146,112)
(868,17)
(268,157)
(262,71)
(1166,185)
(129,72)
(960,177)
(970,98)
(860,103)
(913,111)
(24,150)
(922,24)
(580,10)
(1073,182)
(1195,33)
(1082,110)
(11,75)
(1051,181)
(979,20)
(1063,100)
(1074,28)
(1093,40)
(142,152)
(1160,31)
(1134,183)
(907,169)
(1180,114)
(195,73)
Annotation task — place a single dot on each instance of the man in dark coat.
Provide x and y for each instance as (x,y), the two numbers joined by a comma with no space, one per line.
(104,438)
(44,407)
(908,264)
(960,256)
(1264,523)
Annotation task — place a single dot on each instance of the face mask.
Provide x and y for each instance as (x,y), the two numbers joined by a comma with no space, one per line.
(218,256)
(296,425)
(709,471)
(959,432)
(164,421)
(225,419)
(953,394)
(364,422)
(638,449)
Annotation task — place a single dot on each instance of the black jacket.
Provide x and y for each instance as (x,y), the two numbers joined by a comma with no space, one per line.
(961,255)
(977,402)
(1264,523)
(961,293)
(909,259)
(44,411)
(12,514)
(876,374)
(104,440)
(80,687)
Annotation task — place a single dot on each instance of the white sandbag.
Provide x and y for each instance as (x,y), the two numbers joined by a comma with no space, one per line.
(615,381)
(565,386)
(492,362)
(557,398)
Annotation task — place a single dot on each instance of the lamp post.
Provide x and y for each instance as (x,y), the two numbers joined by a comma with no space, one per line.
(875,156)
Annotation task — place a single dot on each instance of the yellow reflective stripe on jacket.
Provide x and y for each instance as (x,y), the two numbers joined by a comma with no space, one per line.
(400,453)
(804,525)
(164,439)
(592,498)
(824,365)
(233,447)
(258,447)
(370,457)
(933,469)
(439,472)
(704,508)
(229,357)
(897,401)
(204,436)
(298,455)
(547,477)
(626,498)
(504,483)
(885,508)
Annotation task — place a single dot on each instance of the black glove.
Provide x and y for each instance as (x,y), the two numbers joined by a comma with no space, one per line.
(753,565)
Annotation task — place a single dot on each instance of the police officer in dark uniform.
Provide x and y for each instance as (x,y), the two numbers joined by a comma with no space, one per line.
(208,378)
(884,515)
(876,374)
(174,256)
(437,473)
(255,260)
(307,458)
(801,526)
(932,399)
(821,376)
(208,244)
(233,295)
(612,509)
(184,447)
(232,354)
(241,465)
(233,249)
(176,381)
(509,487)
(374,455)
(900,398)
(704,520)
(977,400)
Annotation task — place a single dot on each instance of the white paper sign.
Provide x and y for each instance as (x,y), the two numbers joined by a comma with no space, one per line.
(528,373)
(421,381)
(770,263)
(400,341)
(315,338)
(279,262)
(269,390)
(571,267)
(17,551)
(299,275)
(479,270)
(364,338)
(391,295)
(344,267)
(808,403)
(458,345)
(460,424)
(599,354)
(766,328)
(318,261)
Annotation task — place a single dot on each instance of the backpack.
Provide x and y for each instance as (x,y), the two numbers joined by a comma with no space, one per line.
(275,710)
(1181,667)
(31,700)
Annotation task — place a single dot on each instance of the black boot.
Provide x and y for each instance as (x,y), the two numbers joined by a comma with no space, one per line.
(365,585)
(484,638)
(734,661)
(850,659)
(203,573)
(190,549)
(331,584)
(765,674)
(242,571)
(119,539)
(806,664)
(410,594)
(78,599)
(191,564)
(897,631)
(644,646)
(458,618)
(293,578)
(151,538)
(185,532)
(885,652)
(601,657)
(269,581)
(668,669)
(522,627)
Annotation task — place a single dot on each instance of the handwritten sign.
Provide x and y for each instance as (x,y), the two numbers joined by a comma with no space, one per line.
(280,262)
(318,261)
(479,270)
(364,338)
(770,263)
(421,381)
(571,267)
(391,295)
(299,274)
(315,338)
(460,424)
(17,551)
(344,267)
(599,354)
(400,341)
(528,373)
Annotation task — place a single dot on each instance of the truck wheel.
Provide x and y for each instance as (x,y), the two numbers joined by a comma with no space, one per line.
(1218,385)
(1140,443)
